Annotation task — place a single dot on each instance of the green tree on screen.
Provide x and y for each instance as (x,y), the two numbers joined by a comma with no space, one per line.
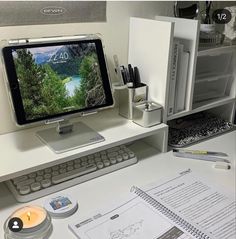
(53,92)
(90,92)
(42,90)
(30,76)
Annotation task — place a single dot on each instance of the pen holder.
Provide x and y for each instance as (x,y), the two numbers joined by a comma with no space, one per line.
(128,96)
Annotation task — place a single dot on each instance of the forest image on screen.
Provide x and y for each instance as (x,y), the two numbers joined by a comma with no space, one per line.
(58,79)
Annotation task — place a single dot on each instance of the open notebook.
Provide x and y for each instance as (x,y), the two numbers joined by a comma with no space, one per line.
(180,207)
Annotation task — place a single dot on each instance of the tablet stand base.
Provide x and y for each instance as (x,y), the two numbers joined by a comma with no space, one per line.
(81,135)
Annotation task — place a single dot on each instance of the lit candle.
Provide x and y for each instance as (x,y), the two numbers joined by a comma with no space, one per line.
(31,216)
(28,215)
(36,223)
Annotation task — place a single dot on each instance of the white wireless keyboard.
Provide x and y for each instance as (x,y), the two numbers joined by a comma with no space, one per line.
(43,182)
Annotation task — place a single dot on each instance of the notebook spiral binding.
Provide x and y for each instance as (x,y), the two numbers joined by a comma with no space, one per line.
(171,215)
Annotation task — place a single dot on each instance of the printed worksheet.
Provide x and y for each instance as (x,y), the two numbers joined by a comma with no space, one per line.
(135,219)
(199,203)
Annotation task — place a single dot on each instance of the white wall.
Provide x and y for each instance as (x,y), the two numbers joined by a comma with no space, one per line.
(114,32)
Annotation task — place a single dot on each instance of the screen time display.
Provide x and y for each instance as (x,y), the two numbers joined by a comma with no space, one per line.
(59,78)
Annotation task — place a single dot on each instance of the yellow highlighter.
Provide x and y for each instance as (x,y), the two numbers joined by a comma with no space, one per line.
(201,155)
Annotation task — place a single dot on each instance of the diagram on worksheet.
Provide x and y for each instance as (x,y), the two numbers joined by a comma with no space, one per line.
(128,231)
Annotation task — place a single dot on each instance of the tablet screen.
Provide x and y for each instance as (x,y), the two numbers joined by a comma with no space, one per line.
(55,79)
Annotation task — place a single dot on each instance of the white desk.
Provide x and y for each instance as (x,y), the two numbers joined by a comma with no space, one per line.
(153,165)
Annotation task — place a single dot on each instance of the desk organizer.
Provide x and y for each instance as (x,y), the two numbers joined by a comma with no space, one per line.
(194,128)
(214,76)
(147,113)
(128,96)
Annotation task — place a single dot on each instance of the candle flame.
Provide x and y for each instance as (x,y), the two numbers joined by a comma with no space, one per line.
(28,215)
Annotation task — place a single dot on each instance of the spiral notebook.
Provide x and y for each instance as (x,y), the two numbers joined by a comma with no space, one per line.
(180,207)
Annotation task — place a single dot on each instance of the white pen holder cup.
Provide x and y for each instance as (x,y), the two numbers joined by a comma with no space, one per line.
(128,96)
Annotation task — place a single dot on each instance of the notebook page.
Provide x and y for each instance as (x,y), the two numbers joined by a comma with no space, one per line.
(132,219)
(201,204)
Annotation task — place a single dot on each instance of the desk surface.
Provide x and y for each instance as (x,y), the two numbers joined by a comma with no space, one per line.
(152,166)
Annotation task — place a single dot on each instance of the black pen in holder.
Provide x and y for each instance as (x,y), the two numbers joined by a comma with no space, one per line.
(128,96)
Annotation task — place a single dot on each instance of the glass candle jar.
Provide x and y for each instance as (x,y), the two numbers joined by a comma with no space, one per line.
(36,223)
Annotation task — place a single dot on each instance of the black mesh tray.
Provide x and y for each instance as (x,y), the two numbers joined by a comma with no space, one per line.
(194,128)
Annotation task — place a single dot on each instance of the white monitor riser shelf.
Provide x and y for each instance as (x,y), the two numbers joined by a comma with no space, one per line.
(32,154)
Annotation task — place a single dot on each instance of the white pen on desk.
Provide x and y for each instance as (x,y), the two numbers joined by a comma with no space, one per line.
(201,155)
(221,165)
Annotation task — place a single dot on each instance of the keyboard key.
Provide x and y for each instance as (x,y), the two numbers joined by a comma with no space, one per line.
(84,163)
(32,175)
(35,186)
(48,170)
(98,159)
(91,161)
(106,162)
(113,149)
(46,183)
(113,154)
(48,175)
(69,168)
(113,160)
(39,178)
(24,190)
(73,174)
(77,165)
(84,159)
(63,165)
(100,165)
(104,157)
(40,173)
(70,163)
(131,154)
(77,160)
(103,153)
(55,168)
(119,158)
(55,173)
(125,156)
(62,170)
(20,179)
(25,183)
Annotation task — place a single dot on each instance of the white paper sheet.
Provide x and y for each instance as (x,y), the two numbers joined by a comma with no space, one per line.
(200,203)
(134,219)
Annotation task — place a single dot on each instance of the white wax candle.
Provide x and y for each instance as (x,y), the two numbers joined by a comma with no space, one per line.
(31,216)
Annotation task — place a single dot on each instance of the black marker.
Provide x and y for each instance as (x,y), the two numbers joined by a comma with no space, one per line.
(137,81)
(127,76)
(123,75)
(131,73)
